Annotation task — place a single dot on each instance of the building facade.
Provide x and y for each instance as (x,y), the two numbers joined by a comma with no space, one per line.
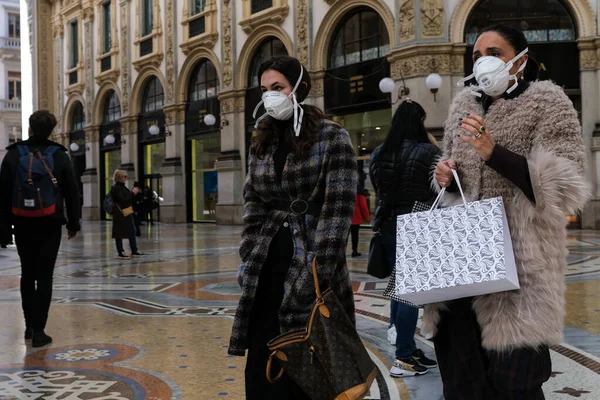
(10,74)
(132,81)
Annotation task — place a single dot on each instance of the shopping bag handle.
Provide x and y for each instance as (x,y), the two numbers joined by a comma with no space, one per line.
(438,199)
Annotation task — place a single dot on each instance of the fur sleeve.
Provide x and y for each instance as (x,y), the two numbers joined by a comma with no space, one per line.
(557,159)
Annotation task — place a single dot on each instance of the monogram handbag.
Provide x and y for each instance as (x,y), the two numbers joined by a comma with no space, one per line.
(327,359)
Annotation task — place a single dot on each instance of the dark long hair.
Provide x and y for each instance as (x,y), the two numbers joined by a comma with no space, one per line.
(407,124)
(518,41)
(313,116)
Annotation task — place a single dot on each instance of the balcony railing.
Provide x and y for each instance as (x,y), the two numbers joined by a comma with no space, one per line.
(10,43)
(10,105)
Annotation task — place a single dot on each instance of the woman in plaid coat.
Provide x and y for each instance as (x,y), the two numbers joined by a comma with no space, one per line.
(298,204)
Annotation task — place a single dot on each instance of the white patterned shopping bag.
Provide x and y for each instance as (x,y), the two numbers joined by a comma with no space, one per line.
(455,252)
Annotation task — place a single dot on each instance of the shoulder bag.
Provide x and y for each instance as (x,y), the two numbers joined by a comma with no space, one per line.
(327,359)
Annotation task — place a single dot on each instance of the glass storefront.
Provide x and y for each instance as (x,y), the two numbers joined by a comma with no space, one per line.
(154,156)
(205,182)
(112,162)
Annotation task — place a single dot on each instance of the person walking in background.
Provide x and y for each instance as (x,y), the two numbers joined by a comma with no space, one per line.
(518,138)
(149,205)
(138,208)
(361,214)
(123,223)
(36,181)
(298,204)
(400,171)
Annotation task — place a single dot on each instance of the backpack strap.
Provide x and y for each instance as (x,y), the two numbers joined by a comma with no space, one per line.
(41,157)
(30,170)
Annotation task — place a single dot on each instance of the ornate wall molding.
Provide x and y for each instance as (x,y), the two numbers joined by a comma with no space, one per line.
(272,15)
(407,25)
(432,18)
(128,125)
(170,56)
(89,71)
(335,15)
(302,31)
(226,16)
(588,54)
(318,81)
(45,60)
(210,36)
(581,9)
(188,67)
(124,28)
(92,133)
(175,113)
(232,101)
(421,60)
(250,46)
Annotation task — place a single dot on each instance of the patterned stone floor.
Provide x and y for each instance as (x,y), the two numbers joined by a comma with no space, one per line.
(158,327)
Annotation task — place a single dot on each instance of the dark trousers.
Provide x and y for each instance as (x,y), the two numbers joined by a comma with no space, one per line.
(264,324)
(354,231)
(38,248)
(469,372)
(132,240)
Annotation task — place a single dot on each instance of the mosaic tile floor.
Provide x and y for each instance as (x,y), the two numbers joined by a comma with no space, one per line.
(158,327)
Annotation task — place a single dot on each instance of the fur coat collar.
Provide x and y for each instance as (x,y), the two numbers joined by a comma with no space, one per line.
(542,125)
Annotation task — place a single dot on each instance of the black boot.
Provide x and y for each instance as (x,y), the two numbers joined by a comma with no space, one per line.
(28,333)
(40,339)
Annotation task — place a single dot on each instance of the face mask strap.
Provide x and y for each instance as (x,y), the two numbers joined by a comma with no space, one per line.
(256,108)
(521,69)
(462,82)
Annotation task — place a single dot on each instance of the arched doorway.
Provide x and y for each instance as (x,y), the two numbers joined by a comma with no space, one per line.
(77,137)
(551,32)
(203,143)
(270,47)
(110,145)
(356,63)
(152,148)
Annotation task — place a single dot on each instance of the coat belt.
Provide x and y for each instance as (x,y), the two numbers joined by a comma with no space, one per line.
(298,207)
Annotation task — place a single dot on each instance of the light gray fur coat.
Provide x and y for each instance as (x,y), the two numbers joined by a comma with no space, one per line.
(541,125)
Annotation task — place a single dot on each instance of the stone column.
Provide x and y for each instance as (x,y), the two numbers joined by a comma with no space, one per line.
(230,165)
(316,97)
(91,190)
(129,156)
(173,206)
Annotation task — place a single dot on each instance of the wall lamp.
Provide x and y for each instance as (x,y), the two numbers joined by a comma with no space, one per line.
(74,147)
(387,85)
(110,139)
(154,130)
(210,120)
(434,83)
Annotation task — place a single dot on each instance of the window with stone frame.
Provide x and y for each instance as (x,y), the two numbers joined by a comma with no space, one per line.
(14,86)
(198,6)
(205,82)
(112,108)
(77,118)
(147,17)
(106,26)
(154,97)
(14,25)
(260,5)
(74,44)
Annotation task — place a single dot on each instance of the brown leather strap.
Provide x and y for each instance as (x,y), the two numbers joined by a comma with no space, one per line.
(30,171)
(316,278)
(39,154)
(269,366)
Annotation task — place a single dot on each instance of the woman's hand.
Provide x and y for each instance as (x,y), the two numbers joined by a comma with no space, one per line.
(443,172)
(477,135)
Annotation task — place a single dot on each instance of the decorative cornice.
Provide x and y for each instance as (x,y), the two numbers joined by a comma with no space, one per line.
(92,133)
(207,40)
(175,113)
(318,80)
(273,15)
(424,59)
(152,60)
(128,125)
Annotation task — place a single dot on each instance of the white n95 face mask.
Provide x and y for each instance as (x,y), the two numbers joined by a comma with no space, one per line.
(282,107)
(493,75)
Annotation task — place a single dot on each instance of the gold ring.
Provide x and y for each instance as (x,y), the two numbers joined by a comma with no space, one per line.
(478,136)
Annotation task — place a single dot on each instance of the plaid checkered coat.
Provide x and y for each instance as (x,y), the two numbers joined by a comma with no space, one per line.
(327,174)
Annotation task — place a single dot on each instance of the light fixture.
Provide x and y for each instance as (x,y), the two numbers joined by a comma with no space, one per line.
(387,85)
(377,128)
(210,119)
(434,83)
(74,147)
(224,122)
(154,130)
(110,139)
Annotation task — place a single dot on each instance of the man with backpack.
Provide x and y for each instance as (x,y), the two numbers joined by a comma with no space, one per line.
(36,180)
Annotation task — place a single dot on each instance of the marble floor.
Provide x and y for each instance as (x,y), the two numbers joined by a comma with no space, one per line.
(158,327)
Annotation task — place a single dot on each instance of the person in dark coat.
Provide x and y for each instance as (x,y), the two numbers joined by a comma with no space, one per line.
(123,226)
(298,204)
(400,171)
(38,238)
(138,208)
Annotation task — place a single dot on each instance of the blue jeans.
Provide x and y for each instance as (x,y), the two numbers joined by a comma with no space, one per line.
(404,317)
(132,240)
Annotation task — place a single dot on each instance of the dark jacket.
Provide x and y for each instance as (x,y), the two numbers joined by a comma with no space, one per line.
(400,178)
(122,226)
(68,190)
(327,173)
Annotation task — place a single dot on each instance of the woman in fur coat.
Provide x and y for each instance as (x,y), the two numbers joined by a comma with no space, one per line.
(518,138)
(298,204)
